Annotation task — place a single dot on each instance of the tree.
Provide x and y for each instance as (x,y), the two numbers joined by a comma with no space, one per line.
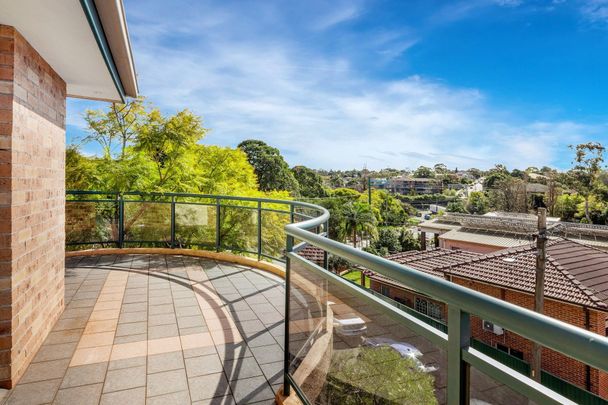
(587,166)
(509,194)
(566,206)
(377,375)
(424,172)
(389,211)
(408,241)
(456,206)
(477,203)
(117,128)
(310,183)
(271,169)
(358,219)
(386,242)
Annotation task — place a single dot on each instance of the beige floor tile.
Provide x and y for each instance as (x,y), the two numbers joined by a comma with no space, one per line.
(221,337)
(129,350)
(104,315)
(101,326)
(91,355)
(96,339)
(196,340)
(164,345)
(100,306)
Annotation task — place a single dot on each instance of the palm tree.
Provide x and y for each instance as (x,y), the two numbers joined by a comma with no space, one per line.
(358,218)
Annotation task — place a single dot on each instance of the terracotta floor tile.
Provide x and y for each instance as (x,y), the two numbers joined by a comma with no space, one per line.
(104,315)
(164,345)
(103,305)
(129,350)
(96,339)
(196,340)
(101,326)
(91,355)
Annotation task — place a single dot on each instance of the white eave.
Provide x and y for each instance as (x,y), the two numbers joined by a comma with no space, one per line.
(85,41)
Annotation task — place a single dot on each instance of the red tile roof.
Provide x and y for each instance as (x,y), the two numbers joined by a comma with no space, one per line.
(575,273)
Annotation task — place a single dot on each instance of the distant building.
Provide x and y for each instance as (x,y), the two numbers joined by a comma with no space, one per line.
(499,230)
(414,185)
(576,292)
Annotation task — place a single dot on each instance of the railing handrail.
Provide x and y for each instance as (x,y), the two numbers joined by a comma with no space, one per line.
(585,346)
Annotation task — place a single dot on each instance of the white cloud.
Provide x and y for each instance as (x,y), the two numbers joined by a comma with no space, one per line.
(319,108)
(596,11)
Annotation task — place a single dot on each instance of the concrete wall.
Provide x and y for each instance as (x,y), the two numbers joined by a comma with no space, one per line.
(32,201)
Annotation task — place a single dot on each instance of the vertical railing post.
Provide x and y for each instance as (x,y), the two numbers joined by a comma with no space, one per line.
(288,249)
(121,221)
(217,225)
(325,258)
(259,230)
(172,222)
(459,338)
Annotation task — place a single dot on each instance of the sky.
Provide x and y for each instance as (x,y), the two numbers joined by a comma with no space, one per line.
(347,84)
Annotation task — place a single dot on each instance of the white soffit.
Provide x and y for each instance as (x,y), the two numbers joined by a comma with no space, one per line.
(60,32)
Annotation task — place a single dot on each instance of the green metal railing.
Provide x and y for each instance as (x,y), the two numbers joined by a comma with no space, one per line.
(252,225)
(249,225)
(582,345)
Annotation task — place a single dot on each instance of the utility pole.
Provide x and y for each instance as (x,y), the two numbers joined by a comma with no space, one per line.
(539,293)
(369,190)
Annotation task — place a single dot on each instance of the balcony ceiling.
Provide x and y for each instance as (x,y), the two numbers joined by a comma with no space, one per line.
(62,33)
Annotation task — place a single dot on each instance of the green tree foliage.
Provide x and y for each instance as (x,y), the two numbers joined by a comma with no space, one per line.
(348,194)
(389,211)
(310,183)
(456,206)
(424,172)
(144,150)
(477,203)
(567,205)
(393,240)
(359,219)
(587,166)
(271,169)
(370,376)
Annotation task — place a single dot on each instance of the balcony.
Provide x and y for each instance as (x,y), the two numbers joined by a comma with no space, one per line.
(342,344)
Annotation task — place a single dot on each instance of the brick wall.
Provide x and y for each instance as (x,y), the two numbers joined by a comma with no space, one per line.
(32,148)
(553,362)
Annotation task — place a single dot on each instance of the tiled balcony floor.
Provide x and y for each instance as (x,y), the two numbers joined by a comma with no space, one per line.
(160,330)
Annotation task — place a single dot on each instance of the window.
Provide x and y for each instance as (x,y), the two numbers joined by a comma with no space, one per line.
(517,353)
(428,308)
(384,290)
(502,348)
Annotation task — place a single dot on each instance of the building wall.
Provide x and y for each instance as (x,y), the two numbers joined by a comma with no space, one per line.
(32,200)
(467,246)
(553,362)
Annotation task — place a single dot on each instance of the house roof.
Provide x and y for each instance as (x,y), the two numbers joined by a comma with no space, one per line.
(575,273)
(486,237)
(85,41)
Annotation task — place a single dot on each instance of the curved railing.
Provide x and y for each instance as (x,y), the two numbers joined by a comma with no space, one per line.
(336,332)
(244,225)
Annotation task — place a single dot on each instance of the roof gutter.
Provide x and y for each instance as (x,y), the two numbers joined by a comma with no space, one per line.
(90,11)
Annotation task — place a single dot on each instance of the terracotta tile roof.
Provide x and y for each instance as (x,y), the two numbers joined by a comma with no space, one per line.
(430,260)
(313,254)
(575,273)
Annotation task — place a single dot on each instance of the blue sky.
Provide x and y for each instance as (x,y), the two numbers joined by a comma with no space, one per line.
(339,84)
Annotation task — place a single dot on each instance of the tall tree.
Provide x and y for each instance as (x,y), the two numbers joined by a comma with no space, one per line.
(424,172)
(272,170)
(359,219)
(310,183)
(587,166)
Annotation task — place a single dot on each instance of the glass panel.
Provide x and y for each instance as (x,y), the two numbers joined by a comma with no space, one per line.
(344,350)
(195,225)
(91,222)
(273,234)
(238,229)
(486,390)
(148,222)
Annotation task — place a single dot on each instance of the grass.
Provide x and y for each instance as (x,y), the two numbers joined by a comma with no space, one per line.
(355,275)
